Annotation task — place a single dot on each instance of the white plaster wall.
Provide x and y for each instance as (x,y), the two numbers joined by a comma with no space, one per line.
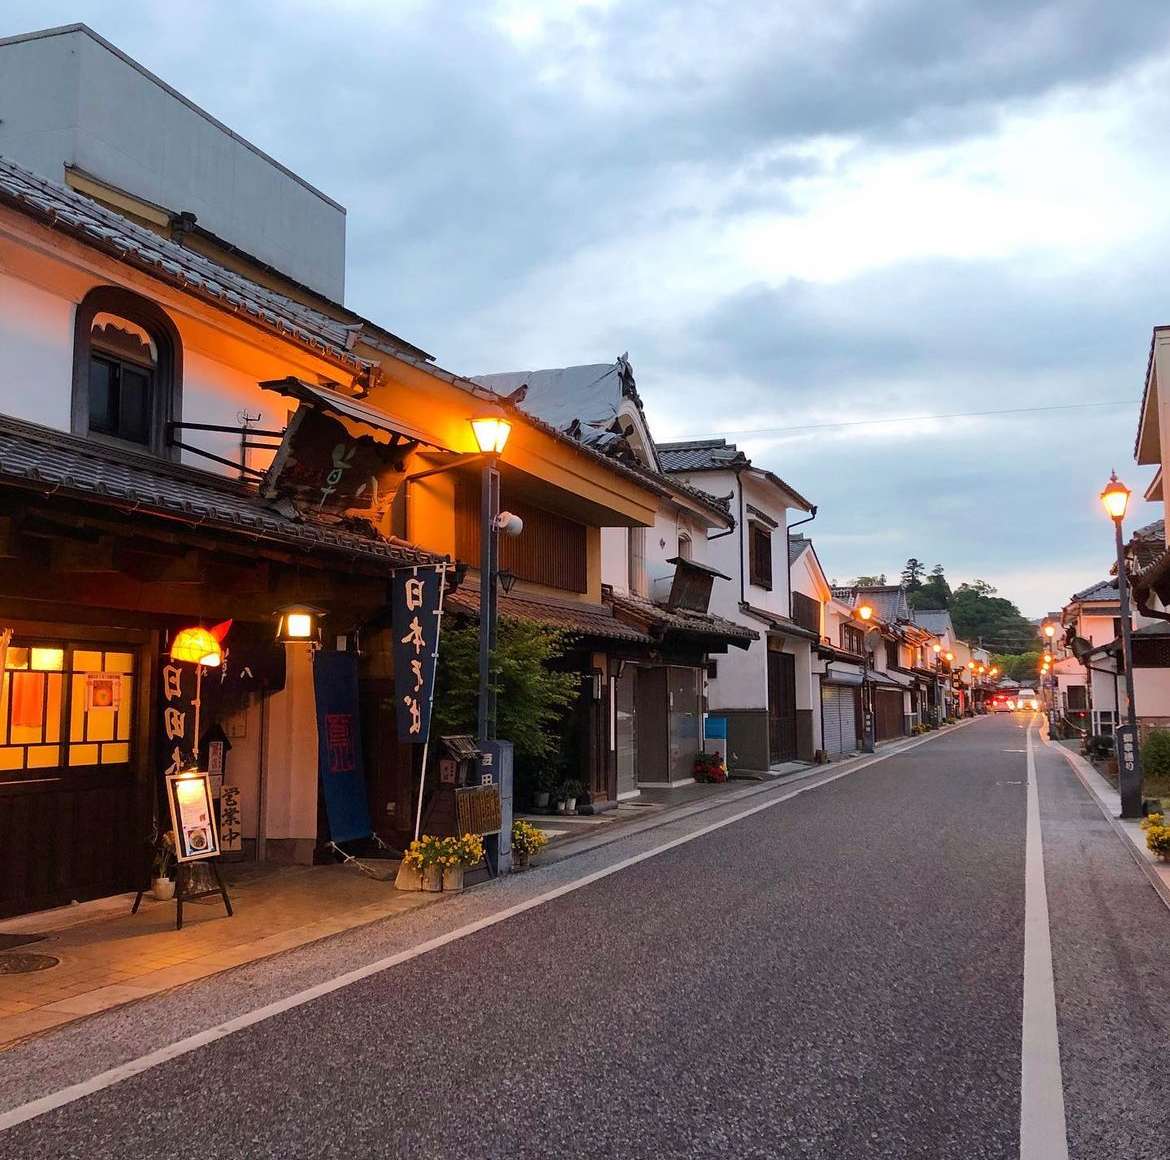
(291,746)
(70,100)
(762,495)
(1151,692)
(615,558)
(1098,629)
(36,353)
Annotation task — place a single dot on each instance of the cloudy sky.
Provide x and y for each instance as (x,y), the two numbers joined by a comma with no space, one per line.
(794,215)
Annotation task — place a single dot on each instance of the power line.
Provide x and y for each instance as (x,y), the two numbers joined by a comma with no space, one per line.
(926,418)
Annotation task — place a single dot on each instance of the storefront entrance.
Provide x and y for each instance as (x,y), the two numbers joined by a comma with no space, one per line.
(74,792)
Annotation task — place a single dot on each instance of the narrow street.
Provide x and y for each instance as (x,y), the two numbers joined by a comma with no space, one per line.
(838,976)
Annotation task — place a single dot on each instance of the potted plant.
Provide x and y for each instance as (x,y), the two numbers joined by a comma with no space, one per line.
(423,861)
(573,790)
(162,885)
(709,767)
(545,781)
(457,855)
(526,841)
(1157,836)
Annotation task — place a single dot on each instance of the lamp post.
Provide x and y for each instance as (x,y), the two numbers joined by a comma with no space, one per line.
(1115,499)
(491,427)
(865,614)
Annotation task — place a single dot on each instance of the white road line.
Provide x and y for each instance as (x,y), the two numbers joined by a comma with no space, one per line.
(116,1075)
(1043,1135)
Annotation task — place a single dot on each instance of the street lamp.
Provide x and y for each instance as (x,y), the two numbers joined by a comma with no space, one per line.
(1115,499)
(865,614)
(491,428)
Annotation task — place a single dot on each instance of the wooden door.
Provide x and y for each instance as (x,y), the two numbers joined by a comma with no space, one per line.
(653,740)
(74,775)
(781,707)
(889,720)
(625,728)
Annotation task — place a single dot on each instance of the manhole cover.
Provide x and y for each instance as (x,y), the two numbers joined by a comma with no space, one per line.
(25,964)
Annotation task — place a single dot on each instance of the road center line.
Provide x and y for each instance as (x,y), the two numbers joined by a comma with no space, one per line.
(125,1071)
(1043,1134)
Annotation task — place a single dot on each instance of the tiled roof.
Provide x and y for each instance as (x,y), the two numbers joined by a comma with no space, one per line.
(1146,545)
(664,621)
(66,466)
(65,209)
(778,623)
(701,455)
(577,619)
(934,620)
(796,545)
(888,600)
(1102,590)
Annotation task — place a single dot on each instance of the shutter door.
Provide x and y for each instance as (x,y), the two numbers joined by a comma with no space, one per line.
(840,719)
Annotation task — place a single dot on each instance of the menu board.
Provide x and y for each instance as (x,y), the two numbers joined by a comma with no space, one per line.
(192,816)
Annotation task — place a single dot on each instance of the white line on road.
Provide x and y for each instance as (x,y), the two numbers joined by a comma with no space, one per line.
(1043,1135)
(116,1075)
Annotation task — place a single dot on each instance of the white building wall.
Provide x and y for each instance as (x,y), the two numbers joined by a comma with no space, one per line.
(36,353)
(72,99)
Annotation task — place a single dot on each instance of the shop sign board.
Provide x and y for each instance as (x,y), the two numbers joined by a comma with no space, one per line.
(477,809)
(416,604)
(103,691)
(177,724)
(230,812)
(323,467)
(192,816)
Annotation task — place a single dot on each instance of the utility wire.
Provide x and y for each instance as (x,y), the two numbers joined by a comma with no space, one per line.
(926,418)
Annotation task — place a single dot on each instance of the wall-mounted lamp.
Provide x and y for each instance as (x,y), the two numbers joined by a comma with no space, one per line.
(298,624)
(492,428)
(197,646)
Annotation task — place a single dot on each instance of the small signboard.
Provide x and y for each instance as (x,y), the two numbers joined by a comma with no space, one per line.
(477,809)
(1126,753)
(192,816)
(103,691)
(230,813)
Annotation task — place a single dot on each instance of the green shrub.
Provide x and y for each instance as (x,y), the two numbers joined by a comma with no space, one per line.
(1156,754)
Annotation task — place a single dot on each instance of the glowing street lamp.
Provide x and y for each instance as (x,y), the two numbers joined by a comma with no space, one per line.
(492,428)
(865,611)
(1115,499)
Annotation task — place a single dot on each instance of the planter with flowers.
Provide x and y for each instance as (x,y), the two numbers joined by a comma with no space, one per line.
(1157,836)
(457,855)
(422,864)
(526,841)
(709,767)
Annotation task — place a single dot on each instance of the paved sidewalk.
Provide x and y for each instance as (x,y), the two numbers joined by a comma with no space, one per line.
(109,957)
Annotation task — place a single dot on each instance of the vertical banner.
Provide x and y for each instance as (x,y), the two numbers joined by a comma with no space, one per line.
(339,745)
(415,601)
(177,724)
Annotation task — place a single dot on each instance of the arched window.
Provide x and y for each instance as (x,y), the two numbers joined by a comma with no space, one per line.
(127,363)
(684,546)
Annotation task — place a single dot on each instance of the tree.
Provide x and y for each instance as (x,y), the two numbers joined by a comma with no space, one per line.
(978,615)
(532,694)
(868,581)
(1021,667)
(934,593)
(912,575)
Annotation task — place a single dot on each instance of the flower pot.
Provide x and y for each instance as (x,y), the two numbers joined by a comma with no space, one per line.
(408,878)
(520,857)
(432,879)
(570,805)
(453,878)
(162,888)
(540,800)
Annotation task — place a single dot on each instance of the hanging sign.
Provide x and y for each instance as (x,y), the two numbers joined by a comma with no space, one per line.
(192,816)
(230,813)
(177,723)
(416,601)
(324,468)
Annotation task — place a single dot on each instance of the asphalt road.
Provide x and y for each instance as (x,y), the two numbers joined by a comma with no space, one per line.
(839,976)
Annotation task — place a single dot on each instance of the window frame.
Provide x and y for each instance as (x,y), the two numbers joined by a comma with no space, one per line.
(165,404)
(760,559)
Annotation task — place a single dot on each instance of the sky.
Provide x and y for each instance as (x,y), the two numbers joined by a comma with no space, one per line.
(793,215)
